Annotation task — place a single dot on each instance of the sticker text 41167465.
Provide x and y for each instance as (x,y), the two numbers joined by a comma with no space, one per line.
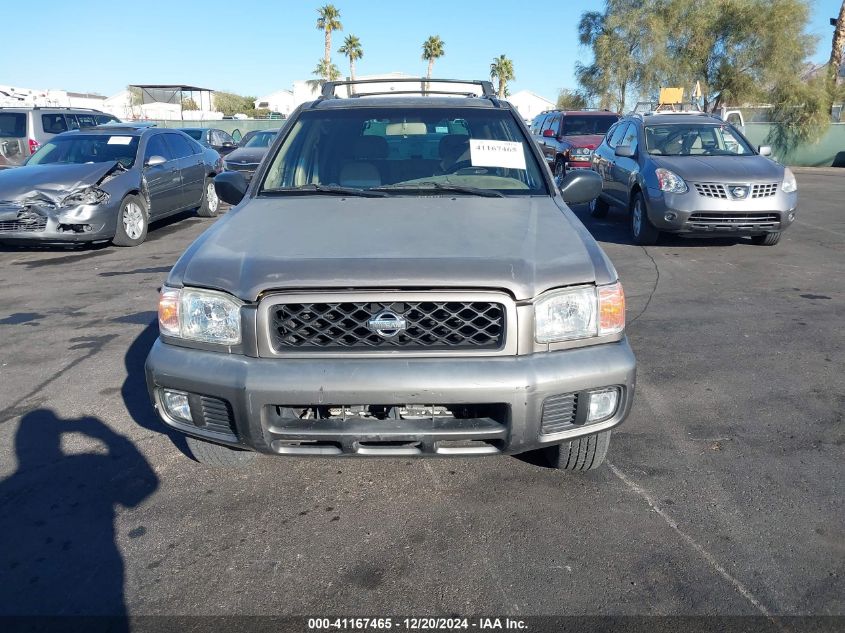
(487,153)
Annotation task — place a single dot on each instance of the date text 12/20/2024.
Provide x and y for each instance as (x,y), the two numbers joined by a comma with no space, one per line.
(416,624)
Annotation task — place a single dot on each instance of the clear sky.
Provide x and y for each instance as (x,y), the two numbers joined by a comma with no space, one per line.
(257,46)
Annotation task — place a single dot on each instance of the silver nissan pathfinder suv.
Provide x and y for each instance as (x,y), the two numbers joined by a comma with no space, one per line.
(402,277)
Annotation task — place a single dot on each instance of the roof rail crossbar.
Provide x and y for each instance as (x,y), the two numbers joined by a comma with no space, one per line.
(487,91)
(412,92)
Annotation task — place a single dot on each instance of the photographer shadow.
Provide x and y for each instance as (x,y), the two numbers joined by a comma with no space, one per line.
(59,553)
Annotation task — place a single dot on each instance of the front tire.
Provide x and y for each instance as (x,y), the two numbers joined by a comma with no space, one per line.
(769,239)
(559,171)
(217,455)
(133,220)
(643,231)
(210,202)
(582,454)
(599,208)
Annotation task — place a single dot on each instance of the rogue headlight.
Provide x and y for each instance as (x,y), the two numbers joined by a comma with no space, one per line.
(577,313)
(669,181)
(789,183)
(91,195)
(200,315)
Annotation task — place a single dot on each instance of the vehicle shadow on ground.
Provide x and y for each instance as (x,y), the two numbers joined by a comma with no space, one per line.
(59,553)
(614,229)
(134,389)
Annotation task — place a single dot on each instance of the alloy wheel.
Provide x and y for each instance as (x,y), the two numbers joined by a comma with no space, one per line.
(133,221)
(211,197)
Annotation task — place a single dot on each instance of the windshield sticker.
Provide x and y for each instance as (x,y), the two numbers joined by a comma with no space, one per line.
(487,153)
(119,140)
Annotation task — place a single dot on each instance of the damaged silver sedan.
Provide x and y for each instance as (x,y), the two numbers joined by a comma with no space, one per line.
(106,184)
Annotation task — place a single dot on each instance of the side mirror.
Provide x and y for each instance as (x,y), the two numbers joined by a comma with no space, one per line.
(765,150)
(625,151)
(230,186)
(550,133)
(155,161)
(580,186)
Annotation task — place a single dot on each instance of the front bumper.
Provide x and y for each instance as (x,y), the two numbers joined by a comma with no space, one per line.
(254,389)
(84,223)
(694,214)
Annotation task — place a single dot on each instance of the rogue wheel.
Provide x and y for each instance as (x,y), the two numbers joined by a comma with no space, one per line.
(642,230)
(132,222)
(210,202)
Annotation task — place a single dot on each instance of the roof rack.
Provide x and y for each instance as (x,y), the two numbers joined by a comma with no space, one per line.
(486,87)
(49,107)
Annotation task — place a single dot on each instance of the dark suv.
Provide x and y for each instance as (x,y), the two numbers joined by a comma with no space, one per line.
(401,277)
(568,138)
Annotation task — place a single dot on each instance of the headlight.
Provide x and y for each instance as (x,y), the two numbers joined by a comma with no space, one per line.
(91,195)
(580,152)
(577,313)
(789,183)
(670,182)
(200,315)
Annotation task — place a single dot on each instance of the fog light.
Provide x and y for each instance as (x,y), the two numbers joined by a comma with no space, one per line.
(670,216)
(176,404)
(603,404)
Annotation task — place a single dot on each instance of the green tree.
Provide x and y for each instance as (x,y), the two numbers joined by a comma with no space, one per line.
(570,100)
(323,73)
(189,104)
(502,69)
(230,103)
(353,51)
(433,48)
(328,21)
(837,48)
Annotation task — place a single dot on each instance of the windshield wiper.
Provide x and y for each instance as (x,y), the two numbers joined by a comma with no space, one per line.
(332,189)
(439,186)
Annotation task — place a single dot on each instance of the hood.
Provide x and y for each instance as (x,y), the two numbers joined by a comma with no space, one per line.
(522,245)
(750,168)
(590,141)
(49,182)
(247,155)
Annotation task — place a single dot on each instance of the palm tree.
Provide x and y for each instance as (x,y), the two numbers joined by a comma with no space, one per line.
(432,49)
(328,21)
(324,73)
(352,49)
(502,69)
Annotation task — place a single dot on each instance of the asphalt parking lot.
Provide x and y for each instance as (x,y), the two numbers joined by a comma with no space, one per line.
(723,494)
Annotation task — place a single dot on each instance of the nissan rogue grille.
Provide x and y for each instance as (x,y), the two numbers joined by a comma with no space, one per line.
(764,191)
(709,190)
(420,325)
(735,220)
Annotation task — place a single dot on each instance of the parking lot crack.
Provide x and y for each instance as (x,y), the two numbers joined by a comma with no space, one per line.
(654,287)
(695,545)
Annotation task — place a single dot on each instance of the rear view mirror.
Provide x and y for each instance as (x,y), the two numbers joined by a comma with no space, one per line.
(765,150)
(155,161)
(230,186)
(548,133)
(625,151)
(580,186)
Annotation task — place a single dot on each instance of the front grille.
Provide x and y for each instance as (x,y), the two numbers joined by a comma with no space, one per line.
(216,415)
(559,412)
(29,225)
(711,190)
(734,220)
(765,190)
(429,326)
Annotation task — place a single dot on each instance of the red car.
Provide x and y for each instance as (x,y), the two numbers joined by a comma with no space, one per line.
(568,138)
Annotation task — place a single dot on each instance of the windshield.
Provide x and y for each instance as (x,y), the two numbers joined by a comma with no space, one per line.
(695,140)
(575,125)
(78,149)
(262,139)
(403,150)
(194,134)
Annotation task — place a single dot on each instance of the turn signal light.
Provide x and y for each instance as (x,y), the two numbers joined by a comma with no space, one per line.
(611,309)
(168,311)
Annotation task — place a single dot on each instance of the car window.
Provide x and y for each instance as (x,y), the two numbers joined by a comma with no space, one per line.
(87,148)
(86,120)
(224,137)
(236,136)
(13,124)
(104,118)
(179,146)
(53,123)
(630,138)
(618,135)
(194,134)
(157,147)
(547,123)
(72,122)
(198,149)
(407,149)
(587,125)
(261,139)
(695,139)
